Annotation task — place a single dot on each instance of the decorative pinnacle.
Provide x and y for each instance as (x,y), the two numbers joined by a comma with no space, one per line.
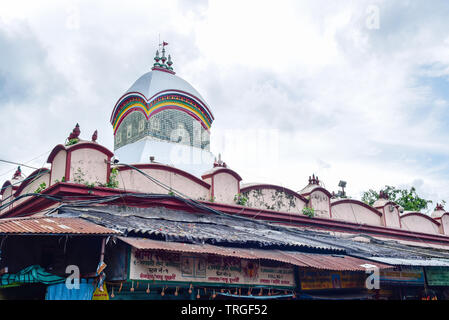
(219,163)
(169,63)
(163,59)
(95,136)
(383,195)
(18,173)
(75,133)
(156,58)
(314,180)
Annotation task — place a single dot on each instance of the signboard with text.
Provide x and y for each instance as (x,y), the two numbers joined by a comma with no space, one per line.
(177,267)
(437,276)
(323,279)
(403,275)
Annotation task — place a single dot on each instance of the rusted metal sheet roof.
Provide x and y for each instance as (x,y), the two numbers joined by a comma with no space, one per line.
(413,262)
(335,262)
(53,225)
(307,260)
(148,244)
(180,226)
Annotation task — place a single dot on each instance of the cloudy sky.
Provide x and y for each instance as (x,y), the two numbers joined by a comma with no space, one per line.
(348,90)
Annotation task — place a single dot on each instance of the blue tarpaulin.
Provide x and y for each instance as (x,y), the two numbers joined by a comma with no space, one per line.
(31,274)
(61,292)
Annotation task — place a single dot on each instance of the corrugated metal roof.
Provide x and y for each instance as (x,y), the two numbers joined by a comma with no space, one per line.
(316,261)
(53,225)
(146,244)
(413,262)
(180,226)
(334,262)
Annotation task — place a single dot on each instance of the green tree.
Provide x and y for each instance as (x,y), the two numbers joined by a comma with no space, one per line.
(408,199)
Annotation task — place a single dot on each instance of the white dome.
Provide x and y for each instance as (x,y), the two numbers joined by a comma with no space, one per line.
(157,81)
(171,107)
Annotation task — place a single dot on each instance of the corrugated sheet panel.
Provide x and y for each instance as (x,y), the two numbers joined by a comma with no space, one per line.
(53,225)
(334,262)
(413,262)
(316,261)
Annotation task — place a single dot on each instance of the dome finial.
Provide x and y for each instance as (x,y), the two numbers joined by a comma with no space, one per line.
(169,63)
(156,58)
(163,59)
(160,60)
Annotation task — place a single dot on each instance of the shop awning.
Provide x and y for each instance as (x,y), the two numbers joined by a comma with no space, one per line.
(433,262)
(307,260)
(360,296)
(52,226)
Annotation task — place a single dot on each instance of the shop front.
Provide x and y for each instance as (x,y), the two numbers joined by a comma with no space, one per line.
(437,283)
(330,285)
(157,274)
(402,283)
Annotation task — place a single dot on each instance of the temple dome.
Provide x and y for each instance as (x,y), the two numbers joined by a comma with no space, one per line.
(161,116)
(152,83)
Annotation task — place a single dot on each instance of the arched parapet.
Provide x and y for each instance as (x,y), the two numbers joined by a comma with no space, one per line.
(7,195)
(390,213)
(84,162)
(310,189)
(5,185)
(438,212)
(33,181)
(224,182)
(418,222)
(58,160)
(355,211)
(273,197)
(36,182)
(176,179)
(318,197)
(444,223)
(320,201)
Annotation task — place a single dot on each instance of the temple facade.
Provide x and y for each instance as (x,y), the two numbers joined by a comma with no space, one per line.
(161,198)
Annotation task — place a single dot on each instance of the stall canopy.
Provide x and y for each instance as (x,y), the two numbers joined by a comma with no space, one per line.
(52,226)
(433,262)
(306,260)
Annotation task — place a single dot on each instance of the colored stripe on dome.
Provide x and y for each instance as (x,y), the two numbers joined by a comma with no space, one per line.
(170,101)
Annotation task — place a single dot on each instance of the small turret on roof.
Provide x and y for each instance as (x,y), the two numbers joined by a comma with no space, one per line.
(219,163)
(314,183)
(439,211)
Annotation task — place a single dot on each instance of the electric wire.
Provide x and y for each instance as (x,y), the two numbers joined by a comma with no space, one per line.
(20,164)
(182,197)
